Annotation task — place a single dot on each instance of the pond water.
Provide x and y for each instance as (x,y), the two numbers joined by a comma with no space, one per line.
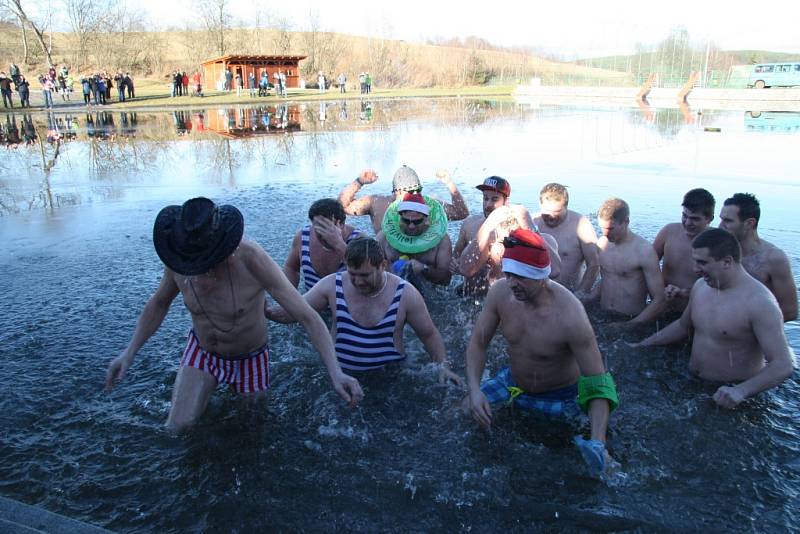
(78,197)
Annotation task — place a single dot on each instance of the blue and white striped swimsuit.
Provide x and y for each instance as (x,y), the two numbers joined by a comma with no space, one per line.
(361,348)
(310,276)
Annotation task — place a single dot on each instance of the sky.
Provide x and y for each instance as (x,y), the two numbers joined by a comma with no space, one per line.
(570,27)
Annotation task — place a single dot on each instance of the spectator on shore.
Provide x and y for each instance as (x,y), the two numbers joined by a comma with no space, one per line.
(228,80)
(321,82)
(109,85)
(5,88)
(87,89)
(185,83)
(362,82)
(13,71)
(47,90)
(369,82)
(263,84)
(251,83)
(120,79)
(197,84)
(101,89)
(24,89)
(342,83)
(239,83)
(129,84)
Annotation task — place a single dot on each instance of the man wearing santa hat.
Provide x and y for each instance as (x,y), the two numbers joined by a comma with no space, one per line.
(555,364)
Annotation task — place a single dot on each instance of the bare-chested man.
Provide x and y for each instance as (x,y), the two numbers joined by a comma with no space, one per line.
(737,324)
(222,279)
(673,245)
(629,268)
(577,240)
(556,365)
(764,261)
(480,260)
(496,191)
(405,180)
(318,248)
(370,307)
(409,260)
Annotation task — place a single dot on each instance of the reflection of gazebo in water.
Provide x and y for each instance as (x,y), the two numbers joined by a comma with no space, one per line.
(252,121)
(214,69)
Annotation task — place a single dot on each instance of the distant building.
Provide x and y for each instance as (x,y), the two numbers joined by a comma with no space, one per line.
(214,69)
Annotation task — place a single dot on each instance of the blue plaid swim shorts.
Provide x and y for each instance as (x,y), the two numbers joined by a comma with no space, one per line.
(556,403)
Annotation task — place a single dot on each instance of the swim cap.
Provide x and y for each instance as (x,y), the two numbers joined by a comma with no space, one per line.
(526,255)
(405,179)
(413,202)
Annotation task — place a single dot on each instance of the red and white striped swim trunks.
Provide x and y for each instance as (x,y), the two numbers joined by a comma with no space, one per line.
(247,373)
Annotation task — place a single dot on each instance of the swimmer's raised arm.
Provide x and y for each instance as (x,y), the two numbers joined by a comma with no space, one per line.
(458,210)
(149,321)
(676,331)
(363,205)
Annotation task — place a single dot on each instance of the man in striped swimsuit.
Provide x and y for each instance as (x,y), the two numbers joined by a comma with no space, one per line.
(222,279)
(370,308)
(555,364)
(318,248)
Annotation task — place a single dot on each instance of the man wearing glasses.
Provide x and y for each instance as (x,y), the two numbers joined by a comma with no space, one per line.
(405,180)
(555,367)
(415,241)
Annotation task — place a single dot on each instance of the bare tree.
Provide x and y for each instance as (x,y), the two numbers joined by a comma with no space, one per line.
(282,39)
(217,21)
(84,19)
(15,7)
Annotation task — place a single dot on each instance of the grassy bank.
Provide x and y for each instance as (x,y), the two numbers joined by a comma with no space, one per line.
(156,95)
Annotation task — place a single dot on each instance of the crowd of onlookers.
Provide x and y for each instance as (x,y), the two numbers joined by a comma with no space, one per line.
(96,87)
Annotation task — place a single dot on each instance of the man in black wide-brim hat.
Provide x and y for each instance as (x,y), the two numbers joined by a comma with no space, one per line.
(222,279)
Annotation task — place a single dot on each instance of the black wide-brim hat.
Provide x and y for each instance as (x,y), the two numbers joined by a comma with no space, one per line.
(193,238)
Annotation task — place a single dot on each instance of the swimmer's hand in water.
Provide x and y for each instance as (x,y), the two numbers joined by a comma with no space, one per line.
(728,397)
(480,407)
(594,454)
(117,369)
(445,374)
(348,388)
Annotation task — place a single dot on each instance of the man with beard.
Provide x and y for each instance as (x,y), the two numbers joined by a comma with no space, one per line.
(576,238)
(370,308)
(734,321)
(555,364)
(673,245)
(761,259)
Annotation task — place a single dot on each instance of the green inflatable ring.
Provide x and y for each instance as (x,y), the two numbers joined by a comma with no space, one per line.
(408,244)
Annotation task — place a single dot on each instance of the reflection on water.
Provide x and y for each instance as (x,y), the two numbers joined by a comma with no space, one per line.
(772,121)
(78,272)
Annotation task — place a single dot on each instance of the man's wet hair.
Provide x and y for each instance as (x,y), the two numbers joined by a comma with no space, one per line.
(699,200)
(614,208)
(329,208)
(556,192)
(363,249)
(749,207)
(720,243)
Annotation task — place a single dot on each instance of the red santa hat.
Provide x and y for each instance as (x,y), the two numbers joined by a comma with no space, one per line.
(526,255)
(413,202)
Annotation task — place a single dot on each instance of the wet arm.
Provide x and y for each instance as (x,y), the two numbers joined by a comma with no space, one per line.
(583,345)
(552,252)
(675,332)
(458,210)
(660,241)
(353,206)
(419,319)
(655,286)
(588,241)
(153,313)
(482,333)
(291,267)
(783,287)
(767,324)
(439,272)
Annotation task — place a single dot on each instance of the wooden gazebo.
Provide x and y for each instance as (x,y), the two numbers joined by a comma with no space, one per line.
(214,69)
